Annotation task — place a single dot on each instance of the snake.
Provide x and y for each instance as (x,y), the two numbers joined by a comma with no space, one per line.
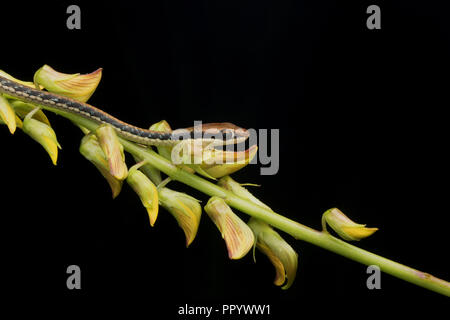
(220,133)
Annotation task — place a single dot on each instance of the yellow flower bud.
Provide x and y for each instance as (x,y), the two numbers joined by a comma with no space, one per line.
(223,163)
(146,191)
(92,151)
(279,252)
(166,152)
(22,109)
(113,149)
(162,126)
(344,227)
(43,134)
(19,122)
(76,86)
(149,170)
(7,114)
(238,236)
(185,209)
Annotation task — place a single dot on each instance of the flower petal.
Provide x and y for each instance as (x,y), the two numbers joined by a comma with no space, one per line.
(25,83)
(185,209)
(162,126)
(108,141)
(230,162)
(344,227)
(92,151)
(146,191)
(149,170)
(238,236)
(7,114)
(280,271)
(43,134)
(23,108)
(281,254)
(77,86)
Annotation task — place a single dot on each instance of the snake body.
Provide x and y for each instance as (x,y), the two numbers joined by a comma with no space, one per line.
(125,130)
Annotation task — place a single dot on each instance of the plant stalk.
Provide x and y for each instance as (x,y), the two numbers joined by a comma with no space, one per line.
(295,229)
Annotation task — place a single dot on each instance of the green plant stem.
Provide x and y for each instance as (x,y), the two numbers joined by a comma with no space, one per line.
(297,230)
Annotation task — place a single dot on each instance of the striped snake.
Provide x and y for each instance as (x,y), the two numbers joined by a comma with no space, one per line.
(219,133)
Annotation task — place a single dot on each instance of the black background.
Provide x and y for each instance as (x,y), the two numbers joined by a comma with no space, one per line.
(362,123)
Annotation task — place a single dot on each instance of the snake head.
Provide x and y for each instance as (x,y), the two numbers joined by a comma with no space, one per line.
(232,133)
(226,132)
(223,133)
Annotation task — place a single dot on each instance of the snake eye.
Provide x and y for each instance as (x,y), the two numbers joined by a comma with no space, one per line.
(228,134)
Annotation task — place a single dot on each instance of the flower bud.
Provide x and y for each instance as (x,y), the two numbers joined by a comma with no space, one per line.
(149,170)
(223,163)
(76,86)
(162,126)
(238,236)
(185,209)
(190,151)
(19,123)
(166,151)
(7,114)
(228,183)
(344,227)
(92,151)
(279,252)
(22,109)
(208,161)
(113,150)
(43,134)
(146,191)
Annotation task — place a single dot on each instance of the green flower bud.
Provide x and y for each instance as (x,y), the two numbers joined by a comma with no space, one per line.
(344,227)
